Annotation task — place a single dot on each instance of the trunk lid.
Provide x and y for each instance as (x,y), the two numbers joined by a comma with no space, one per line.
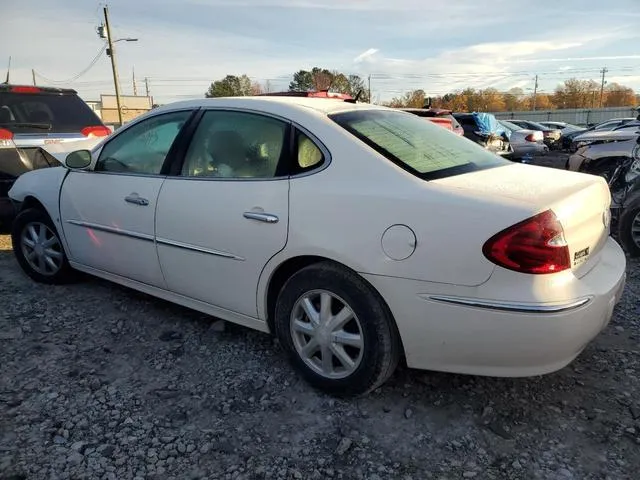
(580,201)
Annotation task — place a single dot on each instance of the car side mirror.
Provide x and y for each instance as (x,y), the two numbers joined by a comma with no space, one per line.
(78,160)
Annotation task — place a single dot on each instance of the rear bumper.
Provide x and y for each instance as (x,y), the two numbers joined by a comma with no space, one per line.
(484,336)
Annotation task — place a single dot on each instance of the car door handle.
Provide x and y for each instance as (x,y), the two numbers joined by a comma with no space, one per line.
(261,217)
(136,199)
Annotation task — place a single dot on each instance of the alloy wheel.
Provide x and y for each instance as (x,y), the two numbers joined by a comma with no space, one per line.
(327,334)
(41,248)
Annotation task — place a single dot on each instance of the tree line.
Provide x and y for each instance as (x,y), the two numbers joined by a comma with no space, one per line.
(572,93)
(303,81)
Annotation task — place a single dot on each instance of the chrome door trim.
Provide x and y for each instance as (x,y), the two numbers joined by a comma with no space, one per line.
(195,248)
(261,217)
(108,229)
(511,307)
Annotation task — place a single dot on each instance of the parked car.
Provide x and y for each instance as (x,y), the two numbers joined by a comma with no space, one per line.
(484,129)
(615,155)
(358,234)
(439,116)
(569,143)
(31,117)
(525,143)
(551,135)
(564,126)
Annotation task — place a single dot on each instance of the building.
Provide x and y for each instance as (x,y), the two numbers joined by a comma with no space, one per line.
(132,106)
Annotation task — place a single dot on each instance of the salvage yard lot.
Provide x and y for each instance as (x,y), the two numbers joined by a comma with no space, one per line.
(97,381)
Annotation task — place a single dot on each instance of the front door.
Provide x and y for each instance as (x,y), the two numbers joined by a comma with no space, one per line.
(226,215)
(108,213)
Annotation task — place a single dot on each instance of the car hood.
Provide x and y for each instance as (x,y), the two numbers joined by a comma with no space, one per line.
(615,136)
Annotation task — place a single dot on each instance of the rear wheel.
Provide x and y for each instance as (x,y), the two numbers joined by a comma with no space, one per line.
(629,231)
(337,330)
(38,248)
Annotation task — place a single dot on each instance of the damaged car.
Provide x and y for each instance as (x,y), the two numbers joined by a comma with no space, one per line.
(615,155)
(485,130)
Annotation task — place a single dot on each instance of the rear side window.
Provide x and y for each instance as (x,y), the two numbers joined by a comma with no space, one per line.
(45,113)
(423,148)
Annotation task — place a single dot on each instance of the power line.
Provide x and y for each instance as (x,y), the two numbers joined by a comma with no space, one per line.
(78,75)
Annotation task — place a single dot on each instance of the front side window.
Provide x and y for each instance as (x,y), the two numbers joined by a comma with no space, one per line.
(142,148)
(423,148)
(231,144)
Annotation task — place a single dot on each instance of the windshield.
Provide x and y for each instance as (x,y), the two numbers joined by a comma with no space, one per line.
(536,126)
(511,126)
(423,148)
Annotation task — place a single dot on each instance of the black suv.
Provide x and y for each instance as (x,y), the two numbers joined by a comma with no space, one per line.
(31,117)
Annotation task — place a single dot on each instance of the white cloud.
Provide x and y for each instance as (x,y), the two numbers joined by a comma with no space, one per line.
(365,54)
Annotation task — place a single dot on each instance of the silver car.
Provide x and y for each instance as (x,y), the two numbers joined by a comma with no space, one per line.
(525,143)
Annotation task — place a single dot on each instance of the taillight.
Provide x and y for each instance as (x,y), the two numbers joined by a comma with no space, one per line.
(96,131)
(535,245)
(5,134)
(530,138)
(26,90)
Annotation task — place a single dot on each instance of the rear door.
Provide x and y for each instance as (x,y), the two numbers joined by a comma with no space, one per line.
(226,212)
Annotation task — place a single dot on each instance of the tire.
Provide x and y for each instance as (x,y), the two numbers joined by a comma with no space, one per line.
(373,361)
(34,227)
(630,221)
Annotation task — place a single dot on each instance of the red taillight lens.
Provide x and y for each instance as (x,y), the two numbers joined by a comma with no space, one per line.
(5,134)
(530,138)
(25,90)
(536,245)
(97,131)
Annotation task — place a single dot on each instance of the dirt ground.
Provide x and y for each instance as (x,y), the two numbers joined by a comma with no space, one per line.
(100,382)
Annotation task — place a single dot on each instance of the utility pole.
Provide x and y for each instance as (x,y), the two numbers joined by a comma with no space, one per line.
(33,76)
(603,71)
(112,54)
(369,80)
(535,93)
(135,88)
(146,85)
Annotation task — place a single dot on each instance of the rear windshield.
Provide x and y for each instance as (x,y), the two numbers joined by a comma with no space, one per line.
(422,148)
(44,113)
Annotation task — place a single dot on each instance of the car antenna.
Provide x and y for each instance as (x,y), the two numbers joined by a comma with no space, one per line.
(355,99)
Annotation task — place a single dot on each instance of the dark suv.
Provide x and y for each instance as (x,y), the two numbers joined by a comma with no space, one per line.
(31,117)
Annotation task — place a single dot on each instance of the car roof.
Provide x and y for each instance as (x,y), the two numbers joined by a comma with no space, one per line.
(326,106)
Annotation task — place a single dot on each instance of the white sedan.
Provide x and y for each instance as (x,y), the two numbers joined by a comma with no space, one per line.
(357,234)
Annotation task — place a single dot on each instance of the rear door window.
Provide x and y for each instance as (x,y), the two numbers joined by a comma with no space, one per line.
(45,113)
(423,148)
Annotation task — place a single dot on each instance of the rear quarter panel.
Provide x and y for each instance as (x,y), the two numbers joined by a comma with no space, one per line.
(342,212)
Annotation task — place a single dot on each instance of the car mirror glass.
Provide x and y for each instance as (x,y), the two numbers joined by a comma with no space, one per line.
(78,160)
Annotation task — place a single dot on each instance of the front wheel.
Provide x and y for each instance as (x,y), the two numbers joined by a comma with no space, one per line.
(38,248)
(337,330)
(630,230)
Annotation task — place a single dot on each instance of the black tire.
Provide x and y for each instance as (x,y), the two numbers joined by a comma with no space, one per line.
(629,219)
(381,348)
(35,216)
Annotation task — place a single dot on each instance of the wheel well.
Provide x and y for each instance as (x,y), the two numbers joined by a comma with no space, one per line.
(32,202)
(280,276)
(293,265)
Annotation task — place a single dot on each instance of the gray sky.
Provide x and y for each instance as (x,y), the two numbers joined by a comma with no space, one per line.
(437,45)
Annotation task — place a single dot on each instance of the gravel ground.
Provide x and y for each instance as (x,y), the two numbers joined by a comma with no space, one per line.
(100,382)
